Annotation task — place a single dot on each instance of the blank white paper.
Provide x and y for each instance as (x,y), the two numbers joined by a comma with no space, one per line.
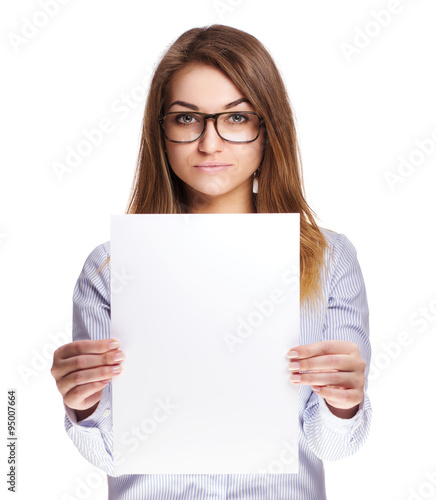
(206,307)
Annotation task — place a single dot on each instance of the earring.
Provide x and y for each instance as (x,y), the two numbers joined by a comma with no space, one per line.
(255,183)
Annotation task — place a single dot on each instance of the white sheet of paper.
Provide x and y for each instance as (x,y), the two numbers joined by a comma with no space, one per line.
(205,307)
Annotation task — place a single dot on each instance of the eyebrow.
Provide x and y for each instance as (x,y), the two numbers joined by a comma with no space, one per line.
(196,108)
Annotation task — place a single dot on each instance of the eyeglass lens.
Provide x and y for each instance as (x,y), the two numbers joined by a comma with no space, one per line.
(236,127)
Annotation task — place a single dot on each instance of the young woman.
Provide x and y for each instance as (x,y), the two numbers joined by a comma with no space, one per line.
(219,137)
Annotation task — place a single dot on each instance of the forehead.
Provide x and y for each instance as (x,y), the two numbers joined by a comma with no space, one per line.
(205,86)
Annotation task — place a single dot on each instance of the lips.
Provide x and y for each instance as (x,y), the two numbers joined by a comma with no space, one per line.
(212,167)
(212,164)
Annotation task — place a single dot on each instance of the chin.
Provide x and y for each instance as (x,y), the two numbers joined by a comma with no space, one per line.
(214,186)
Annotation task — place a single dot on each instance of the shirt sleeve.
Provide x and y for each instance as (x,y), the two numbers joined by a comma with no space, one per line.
(347,318)
(91,320)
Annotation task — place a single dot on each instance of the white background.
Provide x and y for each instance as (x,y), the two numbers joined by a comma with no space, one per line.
(356,116)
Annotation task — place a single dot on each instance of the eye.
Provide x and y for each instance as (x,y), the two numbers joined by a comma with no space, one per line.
(186,118)
(238,118)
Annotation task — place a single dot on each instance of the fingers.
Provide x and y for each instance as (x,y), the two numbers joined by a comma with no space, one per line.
(346,380)
(88,361)
(80,378)
(323,348)
(79,347)
(335,370)
(83,368)
(83,354)
(332,355)
(342,362)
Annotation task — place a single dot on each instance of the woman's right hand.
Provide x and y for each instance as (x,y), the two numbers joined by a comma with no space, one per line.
(82,369)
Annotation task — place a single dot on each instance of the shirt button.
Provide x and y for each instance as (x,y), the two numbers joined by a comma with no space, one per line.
(106,413)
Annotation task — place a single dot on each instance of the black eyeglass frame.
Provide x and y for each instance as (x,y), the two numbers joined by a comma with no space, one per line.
(215,116)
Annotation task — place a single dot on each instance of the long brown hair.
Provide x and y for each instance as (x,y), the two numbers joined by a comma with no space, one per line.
(247,63)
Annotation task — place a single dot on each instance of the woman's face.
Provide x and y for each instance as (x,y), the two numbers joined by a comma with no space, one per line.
(206,89)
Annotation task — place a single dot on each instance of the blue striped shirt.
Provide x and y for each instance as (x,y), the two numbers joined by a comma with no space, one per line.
(322,436)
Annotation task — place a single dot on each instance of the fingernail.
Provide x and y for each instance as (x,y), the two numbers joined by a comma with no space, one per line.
(293,354)
(114,344)
(316,389)
(295,378)
(116,369)
(295,365)
(119,356)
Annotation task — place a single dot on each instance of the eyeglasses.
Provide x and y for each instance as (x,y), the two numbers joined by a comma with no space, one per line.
(231,126)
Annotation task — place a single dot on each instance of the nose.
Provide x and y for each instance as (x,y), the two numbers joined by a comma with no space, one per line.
(211,141)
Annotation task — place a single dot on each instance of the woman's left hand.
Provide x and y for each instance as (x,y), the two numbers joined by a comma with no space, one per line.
(337,373)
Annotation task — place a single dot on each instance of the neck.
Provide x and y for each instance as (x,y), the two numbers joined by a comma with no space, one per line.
(228,203)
